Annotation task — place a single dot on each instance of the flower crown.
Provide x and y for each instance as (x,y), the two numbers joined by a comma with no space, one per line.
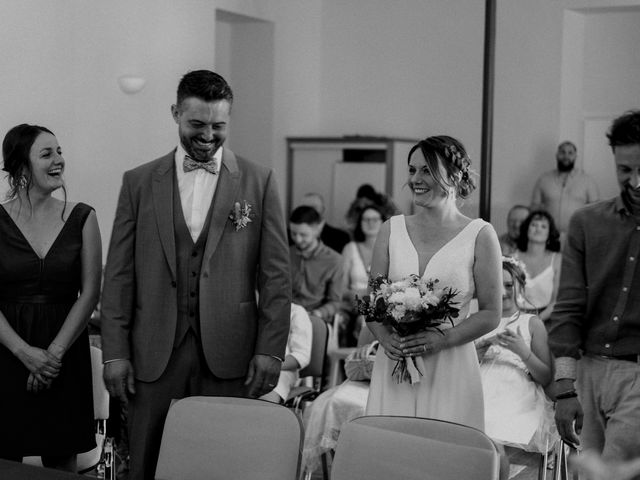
(515,263)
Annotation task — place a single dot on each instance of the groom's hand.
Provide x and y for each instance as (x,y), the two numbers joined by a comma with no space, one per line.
(263,374)
(118,378)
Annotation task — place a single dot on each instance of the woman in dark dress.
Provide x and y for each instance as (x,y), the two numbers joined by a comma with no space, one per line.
(50,263)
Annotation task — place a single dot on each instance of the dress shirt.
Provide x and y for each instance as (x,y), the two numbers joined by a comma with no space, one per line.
(196,191)
(318,279)
(597,310)
(562,195)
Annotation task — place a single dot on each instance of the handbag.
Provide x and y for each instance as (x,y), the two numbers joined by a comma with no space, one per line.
(359,364)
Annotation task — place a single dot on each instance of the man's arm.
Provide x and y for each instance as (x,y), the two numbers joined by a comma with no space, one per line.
(593,194)
(537,200)
(565,331)
(274,304)
(118,297)
(334,290)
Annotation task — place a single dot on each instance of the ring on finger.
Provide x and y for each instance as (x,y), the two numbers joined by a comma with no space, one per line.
(424,347)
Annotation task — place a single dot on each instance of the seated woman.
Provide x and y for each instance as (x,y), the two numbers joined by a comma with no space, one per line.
(297,354)
(514,369)
(538,249)
(334,407)
(357,264)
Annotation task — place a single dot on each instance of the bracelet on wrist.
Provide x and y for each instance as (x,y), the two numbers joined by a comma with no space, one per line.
(569,394)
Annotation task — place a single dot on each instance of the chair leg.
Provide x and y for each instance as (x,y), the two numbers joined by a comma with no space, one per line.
(325,467)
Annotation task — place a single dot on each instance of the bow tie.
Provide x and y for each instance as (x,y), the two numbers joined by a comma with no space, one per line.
(190,164)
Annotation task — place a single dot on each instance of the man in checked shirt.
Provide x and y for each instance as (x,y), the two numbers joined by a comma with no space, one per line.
(595,326)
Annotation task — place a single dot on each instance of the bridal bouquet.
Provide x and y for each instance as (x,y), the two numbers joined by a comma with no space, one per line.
(409,306)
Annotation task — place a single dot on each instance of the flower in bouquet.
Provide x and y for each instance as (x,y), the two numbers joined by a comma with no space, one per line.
(409,306)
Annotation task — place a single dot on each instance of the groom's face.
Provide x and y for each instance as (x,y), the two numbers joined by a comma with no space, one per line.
(202,126)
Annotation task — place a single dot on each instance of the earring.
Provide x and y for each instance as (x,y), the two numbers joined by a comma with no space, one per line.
(22,181)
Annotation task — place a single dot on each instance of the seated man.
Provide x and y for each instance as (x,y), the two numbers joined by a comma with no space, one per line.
(317,271)
(297,354)
(332,237)
(509,240)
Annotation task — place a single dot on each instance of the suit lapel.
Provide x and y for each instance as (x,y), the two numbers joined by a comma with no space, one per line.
(223,201)
(162,189)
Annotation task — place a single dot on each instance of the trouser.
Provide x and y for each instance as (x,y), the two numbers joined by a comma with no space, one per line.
(187,374)
(609,392)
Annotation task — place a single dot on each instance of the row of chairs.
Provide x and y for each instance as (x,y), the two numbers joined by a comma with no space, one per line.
(223,437)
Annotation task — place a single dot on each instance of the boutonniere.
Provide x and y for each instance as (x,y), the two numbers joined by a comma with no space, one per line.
(241,214)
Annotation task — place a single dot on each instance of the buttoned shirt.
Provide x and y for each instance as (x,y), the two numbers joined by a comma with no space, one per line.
(562,195)
(597,310)
(318,279)
(196,191)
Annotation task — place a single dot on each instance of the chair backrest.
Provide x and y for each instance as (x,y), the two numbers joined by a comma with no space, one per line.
(229,437)
(382,447)
(320,335)
(100,393)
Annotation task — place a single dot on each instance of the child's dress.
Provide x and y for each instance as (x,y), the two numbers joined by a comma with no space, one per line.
(517,411)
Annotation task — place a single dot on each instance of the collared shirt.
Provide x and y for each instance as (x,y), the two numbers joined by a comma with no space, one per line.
(562,195)
(317,279)
(597,310)
(196,191)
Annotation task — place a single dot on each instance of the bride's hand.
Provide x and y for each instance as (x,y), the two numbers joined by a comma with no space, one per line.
(422,343)
(390,341)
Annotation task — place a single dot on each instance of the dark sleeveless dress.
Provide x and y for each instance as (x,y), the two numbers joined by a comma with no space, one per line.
(35,297)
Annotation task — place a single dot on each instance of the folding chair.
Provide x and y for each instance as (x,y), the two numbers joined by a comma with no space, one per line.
(228,437)
(383,447)
(101,457)
(314,372)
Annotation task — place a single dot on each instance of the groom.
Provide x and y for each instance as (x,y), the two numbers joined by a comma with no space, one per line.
(197,234)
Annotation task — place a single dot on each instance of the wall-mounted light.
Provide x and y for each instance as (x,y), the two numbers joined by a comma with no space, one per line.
(131,84)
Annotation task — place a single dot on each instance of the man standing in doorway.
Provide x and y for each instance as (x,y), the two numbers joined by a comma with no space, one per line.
(563,190)
(197,233)
(595,326)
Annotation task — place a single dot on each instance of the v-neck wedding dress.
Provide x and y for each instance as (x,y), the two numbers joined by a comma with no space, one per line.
(450,387)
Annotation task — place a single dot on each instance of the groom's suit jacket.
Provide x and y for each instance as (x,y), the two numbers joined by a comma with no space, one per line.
(139,302)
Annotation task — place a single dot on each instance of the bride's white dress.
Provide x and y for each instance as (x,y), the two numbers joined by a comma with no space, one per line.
(450,388)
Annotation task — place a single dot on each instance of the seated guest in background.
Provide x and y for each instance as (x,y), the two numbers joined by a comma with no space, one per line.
(514,369)
(538,249)
(297,354)
(332,237)
(366,196)
(50,265)
(357,262)
(564,190)
(337,405)
(509,239)
(317,271)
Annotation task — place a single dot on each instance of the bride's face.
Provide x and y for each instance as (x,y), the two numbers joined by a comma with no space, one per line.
(426,190)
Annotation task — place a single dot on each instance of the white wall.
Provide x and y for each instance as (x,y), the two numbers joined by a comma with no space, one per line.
(540,45)
(405,69)
(60,62)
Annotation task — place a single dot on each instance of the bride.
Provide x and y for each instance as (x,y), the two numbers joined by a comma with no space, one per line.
(438,242)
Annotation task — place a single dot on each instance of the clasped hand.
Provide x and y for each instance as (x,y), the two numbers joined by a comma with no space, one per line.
(415,345)
(43,366)
(513,341)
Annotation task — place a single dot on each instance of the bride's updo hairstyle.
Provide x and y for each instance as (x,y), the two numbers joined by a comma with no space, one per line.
(455,160)
(16,148)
